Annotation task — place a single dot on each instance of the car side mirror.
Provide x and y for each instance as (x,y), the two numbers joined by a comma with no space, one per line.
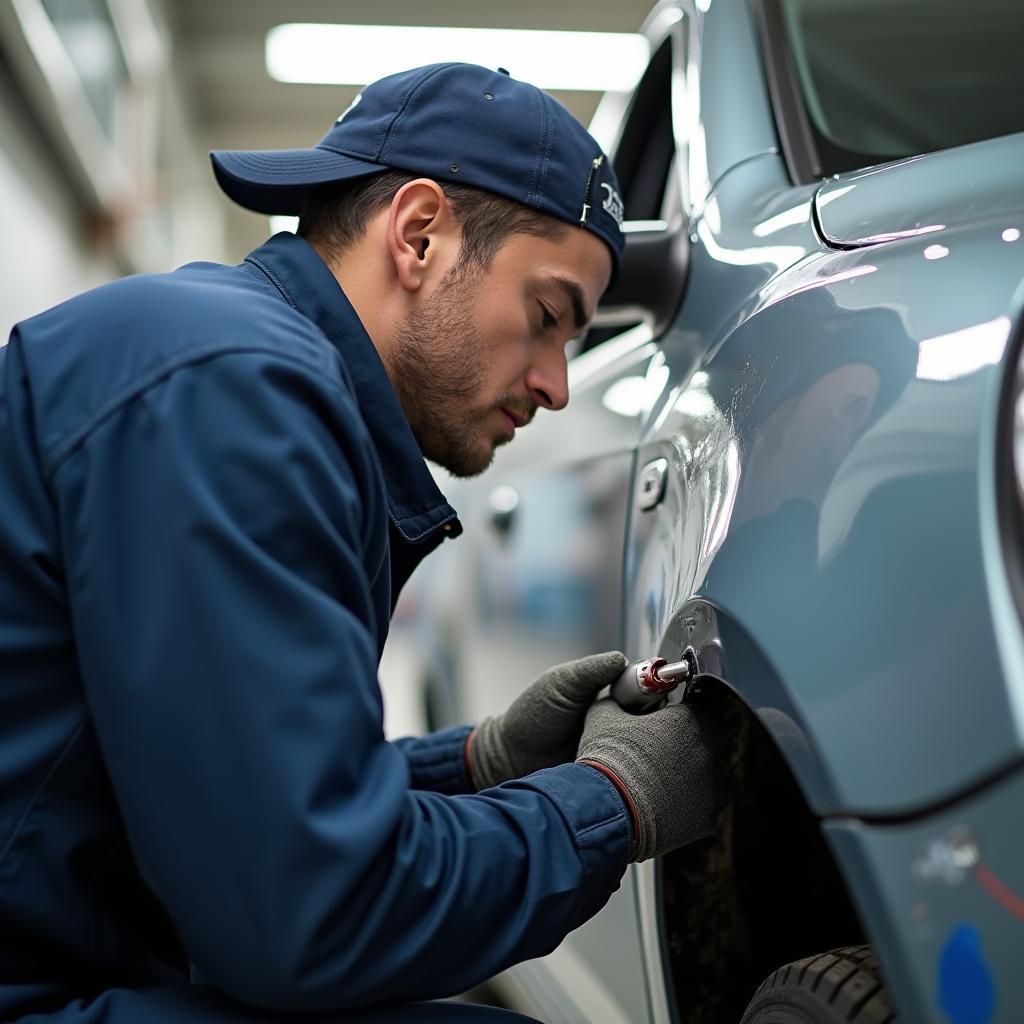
(653,276)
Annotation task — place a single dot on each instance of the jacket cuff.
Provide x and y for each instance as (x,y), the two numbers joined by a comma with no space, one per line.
(437,761)
(599,819)
(634,815)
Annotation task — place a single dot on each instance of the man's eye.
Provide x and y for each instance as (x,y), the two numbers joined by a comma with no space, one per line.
(547,320)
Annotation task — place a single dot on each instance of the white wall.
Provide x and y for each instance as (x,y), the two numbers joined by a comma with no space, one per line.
(160,204)
(42,259)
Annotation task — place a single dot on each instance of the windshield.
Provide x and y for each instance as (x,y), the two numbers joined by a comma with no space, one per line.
(883,79)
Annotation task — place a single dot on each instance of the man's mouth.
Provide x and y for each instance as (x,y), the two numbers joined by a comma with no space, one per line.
(518,419)
(511,421)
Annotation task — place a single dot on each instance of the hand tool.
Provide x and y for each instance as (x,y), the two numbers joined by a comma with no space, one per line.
(645,684)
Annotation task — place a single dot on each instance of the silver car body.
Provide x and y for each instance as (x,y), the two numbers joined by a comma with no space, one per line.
(824,420)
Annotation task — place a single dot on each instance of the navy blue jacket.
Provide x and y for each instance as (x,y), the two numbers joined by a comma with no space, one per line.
(210,499)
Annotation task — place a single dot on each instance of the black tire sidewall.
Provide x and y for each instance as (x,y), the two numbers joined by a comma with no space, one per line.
(789,1005)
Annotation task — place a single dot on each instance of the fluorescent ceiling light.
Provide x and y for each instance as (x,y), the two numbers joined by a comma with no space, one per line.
(357,54)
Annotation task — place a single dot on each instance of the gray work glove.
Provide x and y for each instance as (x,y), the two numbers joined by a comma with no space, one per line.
(542,726)
(667,765)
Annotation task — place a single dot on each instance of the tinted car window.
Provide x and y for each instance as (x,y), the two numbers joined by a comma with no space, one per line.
(884,79)
(644,160)
(645,151)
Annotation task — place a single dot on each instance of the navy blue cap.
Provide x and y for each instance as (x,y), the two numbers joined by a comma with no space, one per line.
(450,122)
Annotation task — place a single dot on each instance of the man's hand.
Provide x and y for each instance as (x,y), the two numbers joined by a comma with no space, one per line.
(667,765)
(542,727)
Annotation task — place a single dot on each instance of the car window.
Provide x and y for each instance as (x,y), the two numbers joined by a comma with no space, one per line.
(887,79)
(646,145)
(644,157)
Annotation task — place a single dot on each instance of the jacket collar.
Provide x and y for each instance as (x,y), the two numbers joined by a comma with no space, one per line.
(415,503)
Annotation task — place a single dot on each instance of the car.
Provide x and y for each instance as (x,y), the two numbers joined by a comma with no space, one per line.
(795,450)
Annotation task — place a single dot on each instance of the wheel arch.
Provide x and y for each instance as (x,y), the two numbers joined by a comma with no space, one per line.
(765,889)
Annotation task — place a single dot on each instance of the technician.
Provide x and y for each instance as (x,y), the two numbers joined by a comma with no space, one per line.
(213,489)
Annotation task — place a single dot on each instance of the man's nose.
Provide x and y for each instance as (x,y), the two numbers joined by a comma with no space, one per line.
(548,381)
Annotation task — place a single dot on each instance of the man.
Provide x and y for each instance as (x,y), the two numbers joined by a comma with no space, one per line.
(214,488)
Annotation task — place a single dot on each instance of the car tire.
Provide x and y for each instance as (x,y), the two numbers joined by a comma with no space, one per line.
(842,986)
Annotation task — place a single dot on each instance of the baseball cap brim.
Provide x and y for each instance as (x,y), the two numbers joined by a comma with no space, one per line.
(275,181)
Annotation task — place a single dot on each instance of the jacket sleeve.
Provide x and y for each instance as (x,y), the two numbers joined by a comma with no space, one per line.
(437,761)
(216,528)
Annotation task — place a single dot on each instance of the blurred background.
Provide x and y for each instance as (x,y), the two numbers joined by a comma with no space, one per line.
(109,107)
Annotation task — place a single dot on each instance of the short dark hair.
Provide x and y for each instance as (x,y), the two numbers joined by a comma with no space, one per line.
(333,217)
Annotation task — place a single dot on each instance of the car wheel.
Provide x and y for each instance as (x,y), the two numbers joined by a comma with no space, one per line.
(842,986)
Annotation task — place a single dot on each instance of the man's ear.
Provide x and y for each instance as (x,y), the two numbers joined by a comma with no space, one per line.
(421,232)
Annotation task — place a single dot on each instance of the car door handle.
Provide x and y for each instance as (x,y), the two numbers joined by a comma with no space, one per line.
(502,505)
(652,484)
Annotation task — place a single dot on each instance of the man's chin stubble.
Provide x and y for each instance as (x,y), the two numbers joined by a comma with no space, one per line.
(459,458)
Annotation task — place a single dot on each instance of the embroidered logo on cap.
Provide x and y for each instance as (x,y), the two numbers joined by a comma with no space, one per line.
(612,204)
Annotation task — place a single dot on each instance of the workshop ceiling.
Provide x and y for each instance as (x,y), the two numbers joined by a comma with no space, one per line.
(219,47)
